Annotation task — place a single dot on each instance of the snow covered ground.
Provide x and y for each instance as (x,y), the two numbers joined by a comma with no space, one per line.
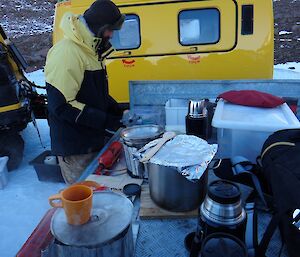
(27,17)
(290,70)
(24,200)
(37,77)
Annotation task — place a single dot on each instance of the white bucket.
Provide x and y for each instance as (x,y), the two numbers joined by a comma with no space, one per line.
(3,172)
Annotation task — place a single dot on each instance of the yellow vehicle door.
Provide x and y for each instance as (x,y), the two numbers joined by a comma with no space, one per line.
(167,40)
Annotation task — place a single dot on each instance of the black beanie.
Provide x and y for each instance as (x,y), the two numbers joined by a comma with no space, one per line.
(103,14)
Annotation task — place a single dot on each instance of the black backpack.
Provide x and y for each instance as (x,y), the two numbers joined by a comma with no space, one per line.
(280,167)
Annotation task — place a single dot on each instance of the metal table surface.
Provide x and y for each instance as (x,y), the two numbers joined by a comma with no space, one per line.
(165,237)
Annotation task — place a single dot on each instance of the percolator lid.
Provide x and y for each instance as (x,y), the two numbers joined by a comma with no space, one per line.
(224,192)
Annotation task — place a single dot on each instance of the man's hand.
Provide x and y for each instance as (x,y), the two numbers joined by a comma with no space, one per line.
(113,123)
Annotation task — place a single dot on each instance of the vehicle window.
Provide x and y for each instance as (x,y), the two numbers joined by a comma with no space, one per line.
(200,26)
(247,19)
(129,36)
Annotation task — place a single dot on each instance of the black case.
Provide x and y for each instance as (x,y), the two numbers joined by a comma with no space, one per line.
(46,172)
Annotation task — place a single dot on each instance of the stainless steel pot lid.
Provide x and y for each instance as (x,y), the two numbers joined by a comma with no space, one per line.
(111,215)
(141,132)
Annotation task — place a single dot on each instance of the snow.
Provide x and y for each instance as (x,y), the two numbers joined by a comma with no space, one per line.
(33,27)
(27,17)
(284,71)
(24,201)
(38,78)
(283,32)
(289,65)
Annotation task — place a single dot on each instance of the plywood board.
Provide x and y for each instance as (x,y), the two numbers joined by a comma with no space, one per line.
(149,210)
(114,182)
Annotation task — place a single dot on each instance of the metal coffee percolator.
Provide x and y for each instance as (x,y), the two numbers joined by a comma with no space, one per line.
(222,210)
(225,227)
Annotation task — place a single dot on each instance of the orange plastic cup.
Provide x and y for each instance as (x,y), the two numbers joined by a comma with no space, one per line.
(76,201)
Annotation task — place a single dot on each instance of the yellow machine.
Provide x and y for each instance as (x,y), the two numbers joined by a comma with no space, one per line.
(19,101)
(186,40)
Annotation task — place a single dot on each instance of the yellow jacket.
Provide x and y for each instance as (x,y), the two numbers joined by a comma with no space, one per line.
(69,58)
(79,105)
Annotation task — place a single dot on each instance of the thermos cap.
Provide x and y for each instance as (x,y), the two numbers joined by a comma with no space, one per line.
(224,192)
(198,109)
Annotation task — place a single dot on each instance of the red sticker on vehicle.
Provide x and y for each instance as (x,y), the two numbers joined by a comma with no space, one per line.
(128,63)
(193,58)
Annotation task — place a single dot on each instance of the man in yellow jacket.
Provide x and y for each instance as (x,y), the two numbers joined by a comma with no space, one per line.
(80,107)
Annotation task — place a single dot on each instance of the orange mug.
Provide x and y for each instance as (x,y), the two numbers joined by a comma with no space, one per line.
(76,201)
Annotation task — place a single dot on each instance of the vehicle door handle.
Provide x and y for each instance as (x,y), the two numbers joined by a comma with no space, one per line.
(193,49)
(124,53)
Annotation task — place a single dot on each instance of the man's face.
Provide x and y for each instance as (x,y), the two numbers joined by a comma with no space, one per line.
(107,34)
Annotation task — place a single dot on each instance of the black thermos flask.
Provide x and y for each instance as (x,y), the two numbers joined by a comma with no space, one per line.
(196,121)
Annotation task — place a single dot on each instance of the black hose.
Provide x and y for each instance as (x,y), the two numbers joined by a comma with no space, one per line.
(33,84)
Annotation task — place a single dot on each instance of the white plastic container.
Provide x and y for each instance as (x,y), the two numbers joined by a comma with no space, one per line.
(242,130)
(3,172)
(176,110)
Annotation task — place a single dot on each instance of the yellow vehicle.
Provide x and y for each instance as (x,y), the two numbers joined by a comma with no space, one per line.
(186,40)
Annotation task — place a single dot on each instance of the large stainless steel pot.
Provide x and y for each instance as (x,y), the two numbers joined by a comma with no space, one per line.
(172,191)
(134,138)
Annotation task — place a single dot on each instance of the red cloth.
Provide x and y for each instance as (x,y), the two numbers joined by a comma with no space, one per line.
(252,98)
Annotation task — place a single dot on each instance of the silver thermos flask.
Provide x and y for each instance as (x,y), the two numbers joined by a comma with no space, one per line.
(196,121)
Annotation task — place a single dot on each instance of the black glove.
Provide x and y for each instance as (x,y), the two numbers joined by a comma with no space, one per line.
(114,108)
(113,122)
(92,117)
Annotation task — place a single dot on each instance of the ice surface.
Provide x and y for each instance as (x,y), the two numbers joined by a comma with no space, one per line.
(24,200)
